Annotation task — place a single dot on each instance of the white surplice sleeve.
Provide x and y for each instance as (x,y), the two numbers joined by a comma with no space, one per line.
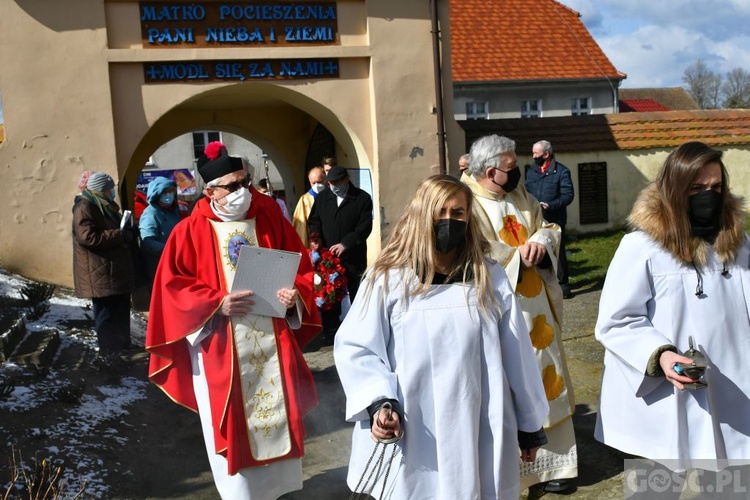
(624,324)
(519,362)
(361,352)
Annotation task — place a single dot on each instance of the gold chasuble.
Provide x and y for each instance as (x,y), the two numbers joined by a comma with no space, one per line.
(257,354)
(509,221)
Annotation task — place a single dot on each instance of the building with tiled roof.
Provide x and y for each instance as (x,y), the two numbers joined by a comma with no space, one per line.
(640,105)
(527,58)
(612,157)
(670,98)
(623,131)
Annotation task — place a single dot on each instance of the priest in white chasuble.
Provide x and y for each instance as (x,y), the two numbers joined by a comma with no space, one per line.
(243,373)
(527,247)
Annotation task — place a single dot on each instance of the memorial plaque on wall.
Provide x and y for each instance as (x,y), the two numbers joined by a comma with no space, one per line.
(240,24)
(239,71)
(592,192)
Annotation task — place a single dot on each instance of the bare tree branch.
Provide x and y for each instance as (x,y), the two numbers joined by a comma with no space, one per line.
(736,89)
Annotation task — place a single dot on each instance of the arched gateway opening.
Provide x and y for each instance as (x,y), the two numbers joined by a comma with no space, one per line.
(283,123)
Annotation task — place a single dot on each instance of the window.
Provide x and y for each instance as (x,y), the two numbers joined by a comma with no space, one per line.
(531,108)
(201,140)
(580,106)
(477,110)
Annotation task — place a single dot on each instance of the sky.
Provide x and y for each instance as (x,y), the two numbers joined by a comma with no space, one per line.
(654,41)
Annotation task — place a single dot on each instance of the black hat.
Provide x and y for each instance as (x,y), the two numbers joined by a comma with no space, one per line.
(337,174)
(215,162)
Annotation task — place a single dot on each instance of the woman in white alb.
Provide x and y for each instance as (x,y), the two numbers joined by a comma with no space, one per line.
(437,334)
(683,272)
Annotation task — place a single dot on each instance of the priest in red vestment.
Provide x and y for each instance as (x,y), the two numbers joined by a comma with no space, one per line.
(243,373)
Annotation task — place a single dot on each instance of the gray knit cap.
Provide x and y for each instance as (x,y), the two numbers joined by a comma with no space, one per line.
(99,181)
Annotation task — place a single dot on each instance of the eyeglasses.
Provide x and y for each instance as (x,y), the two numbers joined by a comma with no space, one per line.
(234,186)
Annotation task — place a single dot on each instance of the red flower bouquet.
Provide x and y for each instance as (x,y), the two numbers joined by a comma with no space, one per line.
(330,278)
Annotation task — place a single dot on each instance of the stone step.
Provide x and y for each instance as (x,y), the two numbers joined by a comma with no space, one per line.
(13,336)
(37,348)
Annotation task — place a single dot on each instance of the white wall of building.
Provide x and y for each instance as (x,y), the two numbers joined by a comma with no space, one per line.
(504,100)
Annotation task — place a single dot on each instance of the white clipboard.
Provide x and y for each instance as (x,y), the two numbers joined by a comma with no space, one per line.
(126,217)
(265,272)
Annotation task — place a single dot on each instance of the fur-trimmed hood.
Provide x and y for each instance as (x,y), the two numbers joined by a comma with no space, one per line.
(651,216)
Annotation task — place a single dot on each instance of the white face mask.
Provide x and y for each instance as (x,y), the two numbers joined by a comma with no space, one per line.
(237,203)
(318,187)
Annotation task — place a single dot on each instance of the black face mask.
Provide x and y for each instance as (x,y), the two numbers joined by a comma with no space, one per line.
(704,211)
(539,160)
(513,177)
(449,235)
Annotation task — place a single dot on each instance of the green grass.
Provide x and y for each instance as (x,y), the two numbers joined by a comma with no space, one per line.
(589,257)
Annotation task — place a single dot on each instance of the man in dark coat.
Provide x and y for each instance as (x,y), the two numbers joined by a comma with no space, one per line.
(342,218)
(549,182)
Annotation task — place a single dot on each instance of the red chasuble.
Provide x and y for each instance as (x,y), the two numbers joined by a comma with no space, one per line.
(188,290)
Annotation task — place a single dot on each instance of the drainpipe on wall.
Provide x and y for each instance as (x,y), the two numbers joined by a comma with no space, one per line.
(438,85)
(616,96)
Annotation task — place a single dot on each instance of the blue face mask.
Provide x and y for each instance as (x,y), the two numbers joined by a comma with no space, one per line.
(112,195)
(167,199)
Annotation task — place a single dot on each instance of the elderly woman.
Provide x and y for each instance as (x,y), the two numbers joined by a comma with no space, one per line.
(103,265)
(435,350)
(682,272)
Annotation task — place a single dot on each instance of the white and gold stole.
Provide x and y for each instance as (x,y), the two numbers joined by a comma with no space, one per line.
(257,354)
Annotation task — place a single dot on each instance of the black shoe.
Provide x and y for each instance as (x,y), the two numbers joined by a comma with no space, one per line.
(558,485)
(108,362)
(566,291)
(133,355)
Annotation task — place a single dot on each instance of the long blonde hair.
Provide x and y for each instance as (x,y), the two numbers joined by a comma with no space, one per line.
(412,243)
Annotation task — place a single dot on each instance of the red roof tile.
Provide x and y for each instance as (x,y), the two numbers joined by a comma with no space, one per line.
(624,131)
(673,98)
(523,40)
(631,105)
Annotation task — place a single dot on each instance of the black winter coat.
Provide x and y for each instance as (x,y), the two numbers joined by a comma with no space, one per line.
(554,187)
(349,224)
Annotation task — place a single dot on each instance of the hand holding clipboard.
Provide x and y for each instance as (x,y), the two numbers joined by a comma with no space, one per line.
(261,273)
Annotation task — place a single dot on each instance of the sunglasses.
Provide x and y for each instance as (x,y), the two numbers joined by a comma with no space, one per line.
(234,186)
